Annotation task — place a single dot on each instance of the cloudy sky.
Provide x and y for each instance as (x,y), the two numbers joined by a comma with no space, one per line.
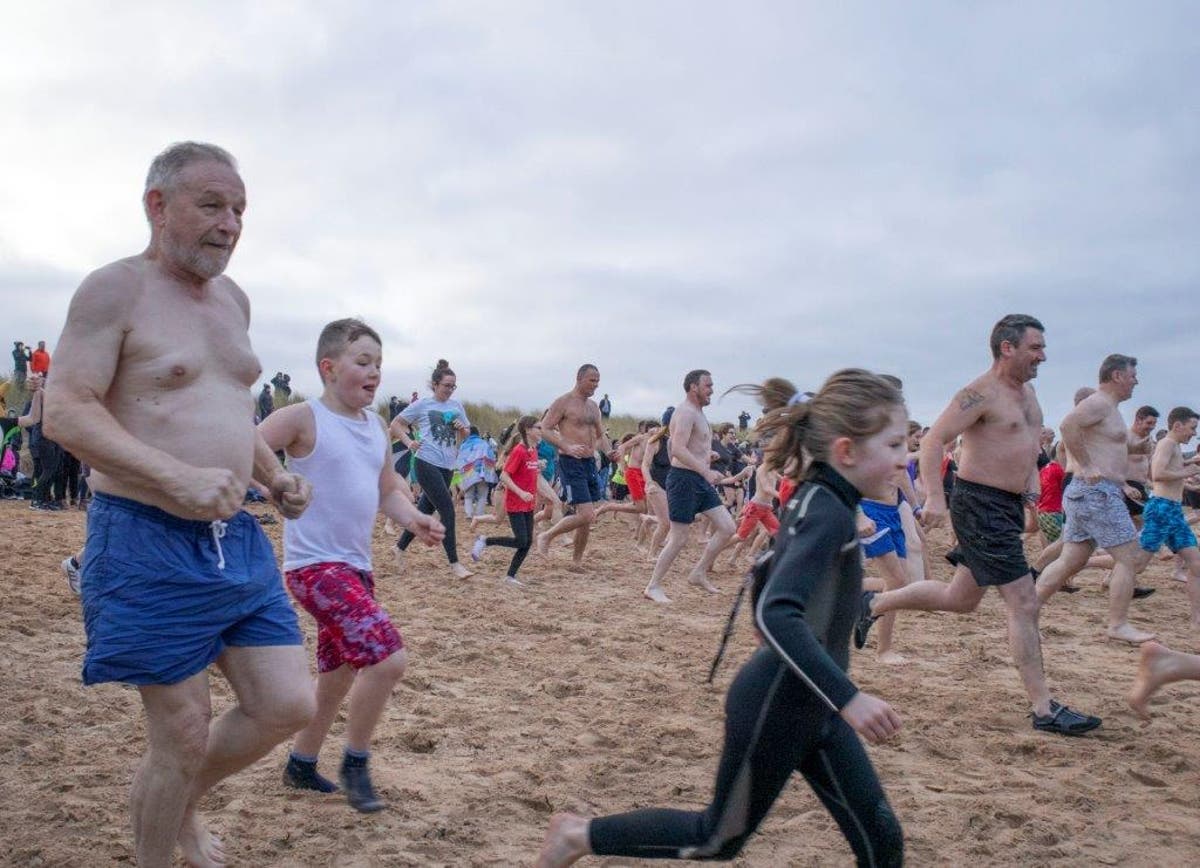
(754,188)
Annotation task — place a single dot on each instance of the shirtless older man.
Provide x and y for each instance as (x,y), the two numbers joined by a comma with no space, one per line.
(573,425)
(1094,502)
(1000,420)
(151,387)
(690,490)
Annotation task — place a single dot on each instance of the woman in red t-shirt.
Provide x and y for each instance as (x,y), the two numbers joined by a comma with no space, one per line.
(520,480)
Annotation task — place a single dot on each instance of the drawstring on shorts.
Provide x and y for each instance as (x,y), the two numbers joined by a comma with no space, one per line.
(218,532)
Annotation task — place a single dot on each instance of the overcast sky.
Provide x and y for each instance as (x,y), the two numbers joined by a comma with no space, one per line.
(754,188)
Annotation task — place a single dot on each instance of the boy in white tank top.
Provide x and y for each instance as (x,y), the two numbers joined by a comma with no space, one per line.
(344,450)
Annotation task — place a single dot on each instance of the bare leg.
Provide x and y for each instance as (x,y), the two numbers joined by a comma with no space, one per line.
(894,572)
(332,688)
(1025,642)
(582,533)
(275,699)
(584,513)
(960,594)
(1073,558)
(1191,557)
(566,841)
(177,719)
(1049,554)
(676,540)
(915,542)
(368,697)
(1159,665)
(1129,558)
(723,528)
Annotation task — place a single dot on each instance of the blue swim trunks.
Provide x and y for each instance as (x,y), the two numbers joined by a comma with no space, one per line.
(580,482)
(163,596)
(688,495)
(889,532)
(1164,524)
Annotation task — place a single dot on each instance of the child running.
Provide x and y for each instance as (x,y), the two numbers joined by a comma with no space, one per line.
(520,480)
(343,449)
(442,422)
(792,706)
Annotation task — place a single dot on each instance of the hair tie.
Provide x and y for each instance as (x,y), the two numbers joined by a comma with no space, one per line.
(799,398)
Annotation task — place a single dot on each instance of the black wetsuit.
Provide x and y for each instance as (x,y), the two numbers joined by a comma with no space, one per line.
(782,708)
(660,465)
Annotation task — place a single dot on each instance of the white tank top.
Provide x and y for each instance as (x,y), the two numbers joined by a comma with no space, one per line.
(344,469)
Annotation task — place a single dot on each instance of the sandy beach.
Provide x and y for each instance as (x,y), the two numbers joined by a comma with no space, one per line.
(575,693)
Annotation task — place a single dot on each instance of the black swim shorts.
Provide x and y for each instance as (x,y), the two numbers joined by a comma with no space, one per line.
(1135,506)
(988,523)
(688,495)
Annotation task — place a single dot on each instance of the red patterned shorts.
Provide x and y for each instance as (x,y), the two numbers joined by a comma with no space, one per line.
(351,628)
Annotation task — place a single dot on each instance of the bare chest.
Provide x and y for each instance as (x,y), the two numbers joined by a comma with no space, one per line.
(174,343)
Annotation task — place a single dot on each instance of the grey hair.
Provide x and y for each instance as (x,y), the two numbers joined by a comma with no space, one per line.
(165,169)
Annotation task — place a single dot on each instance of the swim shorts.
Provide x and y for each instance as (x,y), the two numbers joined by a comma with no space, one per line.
(1165,525)
(1051,524)
(1097,512)
(579,479)
(689,494)
(889,532)
(1135,507)
(988,523)
(752,515)
(635,480)
(351,627)
(164,596)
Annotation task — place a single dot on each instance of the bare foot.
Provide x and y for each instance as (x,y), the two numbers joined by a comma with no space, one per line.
(656,593)
(201,848)
(460,572)
(566,841)
(893,658)
(389,527)
(399,553)
(701,581)
(1148,679)
(1180,575)
(543,544)
(1129,633)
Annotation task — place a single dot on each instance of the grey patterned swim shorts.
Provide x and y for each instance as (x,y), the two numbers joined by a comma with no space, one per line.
(1097,512)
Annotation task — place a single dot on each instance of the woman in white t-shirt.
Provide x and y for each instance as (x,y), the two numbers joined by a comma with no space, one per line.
(442,423)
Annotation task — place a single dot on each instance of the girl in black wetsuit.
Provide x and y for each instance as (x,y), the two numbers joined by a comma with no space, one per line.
(792,706)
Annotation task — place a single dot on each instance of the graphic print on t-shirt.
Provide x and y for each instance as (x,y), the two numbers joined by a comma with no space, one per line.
(441,427)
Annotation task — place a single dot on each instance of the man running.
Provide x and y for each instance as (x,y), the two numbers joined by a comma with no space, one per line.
(151,387)
(1000,420)
(573,426)
(690,490)
(1094,501)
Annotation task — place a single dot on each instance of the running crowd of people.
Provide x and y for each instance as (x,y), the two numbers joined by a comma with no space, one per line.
(831,480)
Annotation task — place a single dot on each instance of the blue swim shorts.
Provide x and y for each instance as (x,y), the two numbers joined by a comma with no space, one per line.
(688,495)
(580,482)
(1165,525)
(163,596)
(889,532)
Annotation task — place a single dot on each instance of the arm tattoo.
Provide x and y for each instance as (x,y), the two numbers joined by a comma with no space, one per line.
(969,398)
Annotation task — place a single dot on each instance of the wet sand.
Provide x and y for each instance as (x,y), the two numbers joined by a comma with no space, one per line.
(575,693)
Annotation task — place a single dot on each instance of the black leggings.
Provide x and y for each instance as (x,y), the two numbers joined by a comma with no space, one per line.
(50,476)
(435,494)
(774,725)
(521,540)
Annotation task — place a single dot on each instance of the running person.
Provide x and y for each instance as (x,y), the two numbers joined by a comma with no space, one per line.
(442,422)
(792,706)
(690,490)
(572,424)
(342,448)
(520,481)
(1094,501)
(1000,421)
(151,388)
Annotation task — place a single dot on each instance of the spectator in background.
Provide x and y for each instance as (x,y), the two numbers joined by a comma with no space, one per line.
(605,407)
(39,360)
(20,356)
(283,386)
(265,402)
